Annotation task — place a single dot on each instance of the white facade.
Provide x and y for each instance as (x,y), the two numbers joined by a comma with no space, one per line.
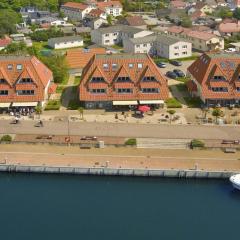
(65,43)
(75,13)
(160,46)
(113,10)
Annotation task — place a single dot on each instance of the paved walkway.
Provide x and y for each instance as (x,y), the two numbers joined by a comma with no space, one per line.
(122,130)
(118,158)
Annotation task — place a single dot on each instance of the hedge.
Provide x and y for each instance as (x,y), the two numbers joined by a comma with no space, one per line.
(6,138)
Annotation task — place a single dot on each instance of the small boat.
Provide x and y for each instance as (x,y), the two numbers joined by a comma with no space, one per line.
(235,180)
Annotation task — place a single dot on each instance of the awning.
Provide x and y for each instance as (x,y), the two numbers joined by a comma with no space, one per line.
(123,103)
(25,104)
(151,102)
(5,105)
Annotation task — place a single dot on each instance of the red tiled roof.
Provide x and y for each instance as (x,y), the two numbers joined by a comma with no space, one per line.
(95,68)
(135,21)
(103,5)
(197,14)
(80,6)
(52,89)
(96,12)
(4,42)
(31,68)
(216,64)
(178,4)
(80,57)
(229,27)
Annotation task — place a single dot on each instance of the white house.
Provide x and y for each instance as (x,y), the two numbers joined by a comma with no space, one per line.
(65,42)
(159,45)
(113,8)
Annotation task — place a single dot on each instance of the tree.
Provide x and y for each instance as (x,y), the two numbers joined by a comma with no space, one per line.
(81,110)
(109,19)
(38,110)
(236,13)
(186,22)
(16,48)
(217,112)
(171,112)
(224,12)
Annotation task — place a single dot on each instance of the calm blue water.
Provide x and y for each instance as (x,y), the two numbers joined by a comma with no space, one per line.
(85,207)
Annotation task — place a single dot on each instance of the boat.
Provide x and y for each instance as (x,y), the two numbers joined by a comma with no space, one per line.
(235,180)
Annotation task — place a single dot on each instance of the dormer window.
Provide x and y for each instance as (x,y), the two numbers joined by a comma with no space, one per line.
(114,66)
(2,80)
(239,78)
(140,65)
(19,67)
(10,67)
(97,80)
(149,79)
(238,89)
(105,66)
(123,79)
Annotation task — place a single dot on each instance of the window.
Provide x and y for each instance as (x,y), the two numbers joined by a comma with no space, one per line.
(2,80)
(10,67)
(150,90)
(26,80)
(107,35)
(19,66)
(107,41)
(25,92)
(124,90)
(115,34)
(238,89)
(138,46)
(176,54)
(105,66)
(98,91)
(219,78)
(145,45)
(140,65)
(184,53)
(123,79)
(220,89)
(130,65)
(176,47)
(149,79)
(114,66)
(3,92)
(184,46)
(97,80)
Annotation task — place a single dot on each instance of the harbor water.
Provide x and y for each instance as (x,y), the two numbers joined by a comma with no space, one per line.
(60,207)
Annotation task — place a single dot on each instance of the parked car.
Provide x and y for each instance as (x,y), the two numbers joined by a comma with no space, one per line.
(179,72)
(171,74)
(161,65)
(176,63)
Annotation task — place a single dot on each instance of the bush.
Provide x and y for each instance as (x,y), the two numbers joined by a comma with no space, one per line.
(197,143)
(193,102)
(6,138)
(131,142)
(173,103)
(52,105)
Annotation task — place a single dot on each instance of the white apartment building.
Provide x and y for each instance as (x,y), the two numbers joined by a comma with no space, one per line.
(113,8)
(159,45)
(116,34)
(65,42)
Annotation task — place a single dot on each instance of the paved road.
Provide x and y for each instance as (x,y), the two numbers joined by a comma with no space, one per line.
(123,130)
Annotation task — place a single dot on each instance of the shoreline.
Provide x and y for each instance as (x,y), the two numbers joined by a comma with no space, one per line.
(118,161)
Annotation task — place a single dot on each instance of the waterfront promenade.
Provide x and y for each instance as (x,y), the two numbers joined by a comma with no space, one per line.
(118,158)
(65,127)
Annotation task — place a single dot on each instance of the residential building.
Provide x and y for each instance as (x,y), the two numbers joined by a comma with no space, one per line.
(216,78)
(229,28)
(77,59)
(159,45)
(178,4)
(76,11)
(113,8)
(201,6)
(24,81)
(115,34)
(122,79)
(201,41)
(134,21)
(65,42)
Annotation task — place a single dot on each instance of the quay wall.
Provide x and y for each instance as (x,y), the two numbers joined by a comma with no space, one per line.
(117,172)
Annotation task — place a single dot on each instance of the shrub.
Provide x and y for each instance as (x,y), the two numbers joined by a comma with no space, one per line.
(6,138)
(131,142)
(173,103)
(197,143)
(53,105)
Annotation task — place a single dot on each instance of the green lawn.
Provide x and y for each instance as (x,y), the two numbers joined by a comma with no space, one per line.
(77,80)
(60,88)
(193,102)
(53,105)
(181,87)
(173,103)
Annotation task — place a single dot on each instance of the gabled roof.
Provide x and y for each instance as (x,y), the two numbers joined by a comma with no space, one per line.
(26,73)
(135,21)
(80,6)
(104,5)
(3,75)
